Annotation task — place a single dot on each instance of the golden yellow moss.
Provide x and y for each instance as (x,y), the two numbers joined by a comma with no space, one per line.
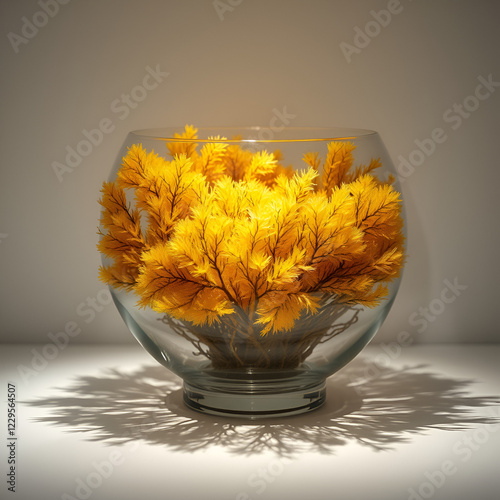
(232,233)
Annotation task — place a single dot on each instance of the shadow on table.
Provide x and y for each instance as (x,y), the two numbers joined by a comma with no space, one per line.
(366,404)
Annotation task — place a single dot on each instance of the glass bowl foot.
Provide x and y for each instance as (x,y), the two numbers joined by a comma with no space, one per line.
(250,404)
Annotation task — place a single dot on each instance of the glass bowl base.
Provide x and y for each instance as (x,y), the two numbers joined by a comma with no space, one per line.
(251,405)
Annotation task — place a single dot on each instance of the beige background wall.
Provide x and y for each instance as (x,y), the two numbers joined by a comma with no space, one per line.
(404,68)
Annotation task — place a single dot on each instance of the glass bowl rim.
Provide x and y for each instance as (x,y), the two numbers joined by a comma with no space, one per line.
(276,134)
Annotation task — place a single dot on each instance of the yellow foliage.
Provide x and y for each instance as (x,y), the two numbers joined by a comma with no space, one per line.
(230,233)
(122,240)
(237,162)
(211,161)
(261,167)
(163,190)
(186,148)
(338,162)
(279,310)
(312,160)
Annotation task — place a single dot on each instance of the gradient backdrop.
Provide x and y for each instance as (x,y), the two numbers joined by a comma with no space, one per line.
(404,68)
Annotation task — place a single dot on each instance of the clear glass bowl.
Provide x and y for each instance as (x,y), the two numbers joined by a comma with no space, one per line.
(315,301)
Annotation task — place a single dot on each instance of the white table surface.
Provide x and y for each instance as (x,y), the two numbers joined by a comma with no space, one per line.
(108,422)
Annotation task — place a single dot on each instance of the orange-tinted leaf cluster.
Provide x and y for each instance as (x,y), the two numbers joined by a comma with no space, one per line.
(215,233)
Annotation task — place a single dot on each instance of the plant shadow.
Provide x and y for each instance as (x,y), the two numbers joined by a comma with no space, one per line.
(380,411)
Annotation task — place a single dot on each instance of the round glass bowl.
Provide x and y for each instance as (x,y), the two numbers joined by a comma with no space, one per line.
(253,263)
